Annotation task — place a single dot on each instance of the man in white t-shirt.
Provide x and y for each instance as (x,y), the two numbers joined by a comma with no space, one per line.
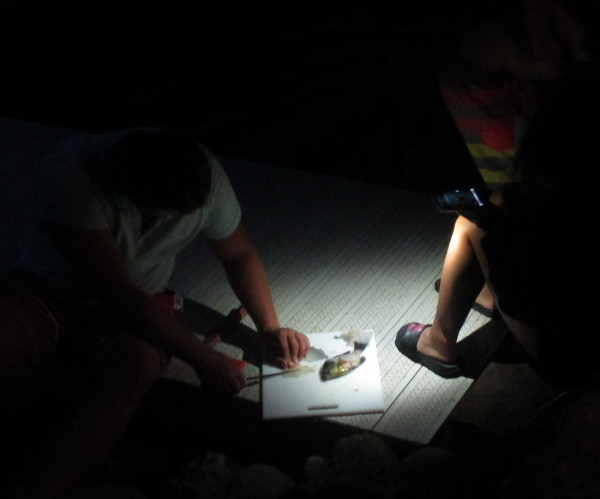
(111,212)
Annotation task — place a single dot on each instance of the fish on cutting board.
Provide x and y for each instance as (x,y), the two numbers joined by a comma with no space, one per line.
(345,379)
(341,365)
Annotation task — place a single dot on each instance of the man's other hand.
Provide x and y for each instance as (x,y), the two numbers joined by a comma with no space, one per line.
(220,373)
(286,347)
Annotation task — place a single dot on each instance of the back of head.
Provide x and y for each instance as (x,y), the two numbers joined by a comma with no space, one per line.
(161,170)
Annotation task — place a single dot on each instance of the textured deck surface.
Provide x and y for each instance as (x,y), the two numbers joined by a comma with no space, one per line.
(340,254)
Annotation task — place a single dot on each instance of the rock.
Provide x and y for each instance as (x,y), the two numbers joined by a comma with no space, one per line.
(260,481)
(437,472)
(209,478)
(313,465)
(108,491)
(358,465)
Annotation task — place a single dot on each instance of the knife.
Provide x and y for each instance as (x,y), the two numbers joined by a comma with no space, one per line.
(279,373)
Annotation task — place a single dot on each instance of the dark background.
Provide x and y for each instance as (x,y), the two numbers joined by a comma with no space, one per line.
(347,89)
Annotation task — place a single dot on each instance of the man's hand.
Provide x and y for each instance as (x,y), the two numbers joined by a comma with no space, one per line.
(220,373)
(286,347)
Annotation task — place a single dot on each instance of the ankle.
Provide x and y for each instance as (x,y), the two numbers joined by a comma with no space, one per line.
(434,343)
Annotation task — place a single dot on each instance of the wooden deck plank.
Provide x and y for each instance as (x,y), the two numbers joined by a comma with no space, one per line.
(340,254)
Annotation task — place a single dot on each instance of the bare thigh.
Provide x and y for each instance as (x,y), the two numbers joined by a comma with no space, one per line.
(128,361)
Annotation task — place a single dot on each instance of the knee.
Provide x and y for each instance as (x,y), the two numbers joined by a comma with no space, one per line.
(463,226)
(134,362)
(21,361)
(467,231)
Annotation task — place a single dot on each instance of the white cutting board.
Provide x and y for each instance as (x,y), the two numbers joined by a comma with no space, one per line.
(302,393)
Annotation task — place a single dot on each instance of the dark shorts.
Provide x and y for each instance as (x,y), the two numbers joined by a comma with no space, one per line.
(25,306)
(51,327)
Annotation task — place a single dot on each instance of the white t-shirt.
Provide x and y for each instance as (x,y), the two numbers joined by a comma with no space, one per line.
(73,188)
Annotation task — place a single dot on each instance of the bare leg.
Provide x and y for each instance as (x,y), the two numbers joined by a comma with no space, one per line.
(526,335)
(485,298)
(465,271)
(126,367)
(461,282)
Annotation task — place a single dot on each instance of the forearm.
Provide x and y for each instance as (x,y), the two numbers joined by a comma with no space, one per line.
(248,279)
(95,257)
(149,322)
(140,315)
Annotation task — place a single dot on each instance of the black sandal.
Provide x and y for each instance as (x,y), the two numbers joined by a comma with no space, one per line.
(406,342)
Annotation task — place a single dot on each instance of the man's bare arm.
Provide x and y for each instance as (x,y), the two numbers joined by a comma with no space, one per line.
(95,257)
(248,279)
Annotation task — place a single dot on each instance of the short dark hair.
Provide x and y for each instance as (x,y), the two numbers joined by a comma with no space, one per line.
(161,169)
